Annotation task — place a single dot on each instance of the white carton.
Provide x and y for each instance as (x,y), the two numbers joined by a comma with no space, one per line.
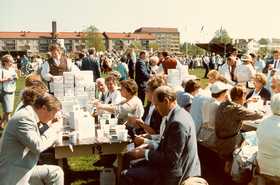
(68,76)
(58,79)
(107,177)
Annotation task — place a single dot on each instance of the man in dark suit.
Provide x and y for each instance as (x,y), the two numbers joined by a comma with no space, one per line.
(142,75)
(176,158)
(274,63)
(91,63)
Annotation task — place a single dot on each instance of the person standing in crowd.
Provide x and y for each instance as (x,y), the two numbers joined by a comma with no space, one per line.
(57,64)
(123,68)
(131,61)
(176,158)
(142,75)
(205,63)
(245,72)
(91,63)
(228,69)
(260,64)
(8,87)
(274,63)
(167,62)
(22,143)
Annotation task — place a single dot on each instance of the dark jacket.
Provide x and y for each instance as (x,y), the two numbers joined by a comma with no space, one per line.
(228,122)
(142,74)
(91,64)
(131,69)
(155,120)
(176,156)
(264,94)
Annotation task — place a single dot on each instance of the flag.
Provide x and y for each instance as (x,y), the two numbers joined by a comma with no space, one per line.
(202,28)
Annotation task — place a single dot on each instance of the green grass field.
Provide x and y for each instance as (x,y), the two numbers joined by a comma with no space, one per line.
(81,170)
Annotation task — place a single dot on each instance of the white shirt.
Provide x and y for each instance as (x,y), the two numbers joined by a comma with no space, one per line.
(148,117)
(113,97)
(155,144)
(245,72)
(9,86)
(268,135)
(45,73)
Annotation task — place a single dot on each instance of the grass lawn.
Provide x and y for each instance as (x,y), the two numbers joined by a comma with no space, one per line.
(81,171)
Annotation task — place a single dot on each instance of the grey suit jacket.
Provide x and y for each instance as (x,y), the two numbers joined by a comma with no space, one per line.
(177,155)
(20,146)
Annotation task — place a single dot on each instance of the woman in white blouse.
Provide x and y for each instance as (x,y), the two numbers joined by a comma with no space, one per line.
(113,95)
(8,77)
(131,106)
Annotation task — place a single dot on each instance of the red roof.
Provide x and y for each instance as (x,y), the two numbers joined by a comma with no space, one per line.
(129,36)
(156,30)
(37,35)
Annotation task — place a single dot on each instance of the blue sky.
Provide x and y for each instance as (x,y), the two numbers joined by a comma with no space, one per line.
(241,18)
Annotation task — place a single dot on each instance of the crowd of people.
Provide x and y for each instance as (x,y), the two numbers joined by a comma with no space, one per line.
(165,124)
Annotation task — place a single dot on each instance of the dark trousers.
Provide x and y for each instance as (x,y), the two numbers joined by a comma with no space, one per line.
(139,176)
(146,175)
(141,94)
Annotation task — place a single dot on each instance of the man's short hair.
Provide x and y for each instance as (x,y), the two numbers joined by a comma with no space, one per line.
(165,53)
(54,47)
(91,51)
(163,92)
(276,51)
(237,92)
(100,80)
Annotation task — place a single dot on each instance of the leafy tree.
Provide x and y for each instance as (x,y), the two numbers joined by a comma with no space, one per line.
(136,45)
(191,49)
(263,41)
(154,46)
(93,38)
(221,37)
(263,51)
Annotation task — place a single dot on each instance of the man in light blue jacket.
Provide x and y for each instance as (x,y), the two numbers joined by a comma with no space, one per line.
(22,143)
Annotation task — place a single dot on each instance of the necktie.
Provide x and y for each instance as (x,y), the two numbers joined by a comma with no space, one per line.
(275,64)
(103,97)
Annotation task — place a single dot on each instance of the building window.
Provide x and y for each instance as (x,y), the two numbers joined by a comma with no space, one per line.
(10,45)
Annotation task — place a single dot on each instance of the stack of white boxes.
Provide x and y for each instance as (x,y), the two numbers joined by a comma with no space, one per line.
(80,84)
(68,84)
(173,78)
(57,86)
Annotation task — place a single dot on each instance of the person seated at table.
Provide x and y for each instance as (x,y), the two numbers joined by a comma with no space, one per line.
(113,95)
(131,106)
(176,157)
(207,132)
(101,89)
(213,76)
(185,98)
(151,120)
(22,143)
(259,90)
(31,92)
(30,78)
(228,122)
(268,136)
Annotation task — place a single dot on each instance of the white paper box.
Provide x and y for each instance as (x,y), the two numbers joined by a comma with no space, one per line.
(86,125)
(68,76)
(69,85)
(58,79)
(107,177)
